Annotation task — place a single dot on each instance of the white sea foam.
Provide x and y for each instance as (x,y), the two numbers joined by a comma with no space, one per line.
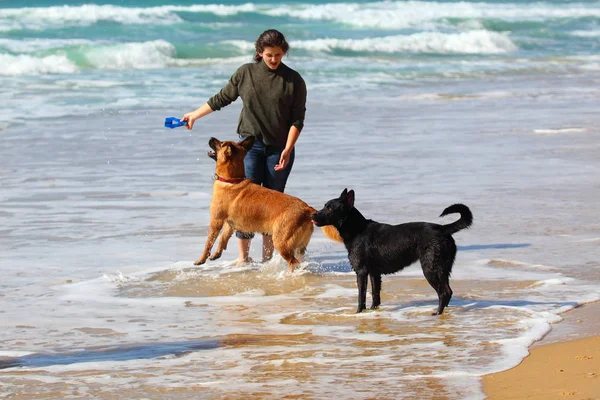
(555,281)
(424,14)
(386,15)
(595,239)
(29,65)
(34,45)
(98,55)
(472,42)
(154,54)
(590,33)
(147,55)
(559,131)
(40,18)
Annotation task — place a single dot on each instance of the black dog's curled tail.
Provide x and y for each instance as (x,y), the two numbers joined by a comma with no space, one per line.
(465,221)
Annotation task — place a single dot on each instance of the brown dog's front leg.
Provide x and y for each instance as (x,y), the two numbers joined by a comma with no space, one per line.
(225,236)
(361,282)
(213,232)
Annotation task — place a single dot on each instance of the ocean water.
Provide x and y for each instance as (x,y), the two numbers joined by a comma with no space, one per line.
(413,104)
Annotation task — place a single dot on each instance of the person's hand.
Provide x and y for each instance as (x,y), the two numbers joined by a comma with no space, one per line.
(283,160)
(190,118)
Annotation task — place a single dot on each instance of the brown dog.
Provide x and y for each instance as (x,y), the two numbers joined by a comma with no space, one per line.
(240,204)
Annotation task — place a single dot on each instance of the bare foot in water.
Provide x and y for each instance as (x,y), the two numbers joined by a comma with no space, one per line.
(241,263)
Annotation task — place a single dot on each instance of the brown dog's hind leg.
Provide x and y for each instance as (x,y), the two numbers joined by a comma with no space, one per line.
(286,253)
(288,243)
(225,236)
(213,233)
(292,262)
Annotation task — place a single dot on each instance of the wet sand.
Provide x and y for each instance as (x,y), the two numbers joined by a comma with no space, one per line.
(555,368)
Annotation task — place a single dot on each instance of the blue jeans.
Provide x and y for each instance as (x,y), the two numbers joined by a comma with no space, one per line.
(260,164)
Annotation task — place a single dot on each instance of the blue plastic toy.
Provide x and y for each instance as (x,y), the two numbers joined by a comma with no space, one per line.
(172,122)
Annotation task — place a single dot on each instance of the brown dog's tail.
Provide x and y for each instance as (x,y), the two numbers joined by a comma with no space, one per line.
(332,233)
(329,230)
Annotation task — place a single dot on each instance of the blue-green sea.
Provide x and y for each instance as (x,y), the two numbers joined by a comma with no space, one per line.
(415,105)
(140,54)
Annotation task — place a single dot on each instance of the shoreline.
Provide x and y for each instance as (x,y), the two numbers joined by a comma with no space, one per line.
(564,364)
(581,322)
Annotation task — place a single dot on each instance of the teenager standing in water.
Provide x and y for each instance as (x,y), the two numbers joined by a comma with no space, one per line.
(274,106)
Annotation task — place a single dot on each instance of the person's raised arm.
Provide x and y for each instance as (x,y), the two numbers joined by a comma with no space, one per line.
(226,96)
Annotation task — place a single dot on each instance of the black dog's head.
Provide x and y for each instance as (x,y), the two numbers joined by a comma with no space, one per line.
(335,211)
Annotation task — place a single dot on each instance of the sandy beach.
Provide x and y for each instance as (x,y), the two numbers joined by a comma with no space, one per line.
(556,369)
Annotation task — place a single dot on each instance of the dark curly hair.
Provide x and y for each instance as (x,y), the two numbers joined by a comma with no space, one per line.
(270,38)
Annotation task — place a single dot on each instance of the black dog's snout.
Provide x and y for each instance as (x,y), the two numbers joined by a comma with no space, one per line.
(314,217)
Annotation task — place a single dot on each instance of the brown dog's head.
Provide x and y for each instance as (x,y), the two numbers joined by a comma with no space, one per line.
(229,147)
(230,155)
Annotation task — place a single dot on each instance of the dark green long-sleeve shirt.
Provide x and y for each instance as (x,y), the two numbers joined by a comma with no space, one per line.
(273,101)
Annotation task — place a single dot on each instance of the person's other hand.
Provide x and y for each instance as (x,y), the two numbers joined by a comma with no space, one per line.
(283,160)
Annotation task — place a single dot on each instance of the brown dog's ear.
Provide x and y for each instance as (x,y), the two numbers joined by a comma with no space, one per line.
(248,142)
(349,198)
(214,143)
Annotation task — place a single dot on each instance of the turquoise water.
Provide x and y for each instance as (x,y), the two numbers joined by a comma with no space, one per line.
(415,37)
(141,50)
(143,47)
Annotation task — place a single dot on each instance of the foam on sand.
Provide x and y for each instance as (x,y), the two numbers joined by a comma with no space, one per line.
(559,131)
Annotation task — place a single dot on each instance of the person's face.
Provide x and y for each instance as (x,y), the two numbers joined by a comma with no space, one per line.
(272,56)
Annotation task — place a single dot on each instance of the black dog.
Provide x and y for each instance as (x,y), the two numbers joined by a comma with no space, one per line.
(375,249)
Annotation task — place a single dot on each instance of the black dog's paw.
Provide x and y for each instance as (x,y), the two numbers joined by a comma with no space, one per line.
(374,306)
(360,309)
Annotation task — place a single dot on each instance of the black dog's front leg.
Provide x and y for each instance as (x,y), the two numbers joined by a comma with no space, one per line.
(375,290)
(361,283)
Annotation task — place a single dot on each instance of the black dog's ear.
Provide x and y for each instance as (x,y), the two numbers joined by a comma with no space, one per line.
(349,198)
(214,143)
(248,142)
(343,195)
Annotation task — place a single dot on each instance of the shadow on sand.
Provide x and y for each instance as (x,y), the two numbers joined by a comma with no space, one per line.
(493,246)
(461,305)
